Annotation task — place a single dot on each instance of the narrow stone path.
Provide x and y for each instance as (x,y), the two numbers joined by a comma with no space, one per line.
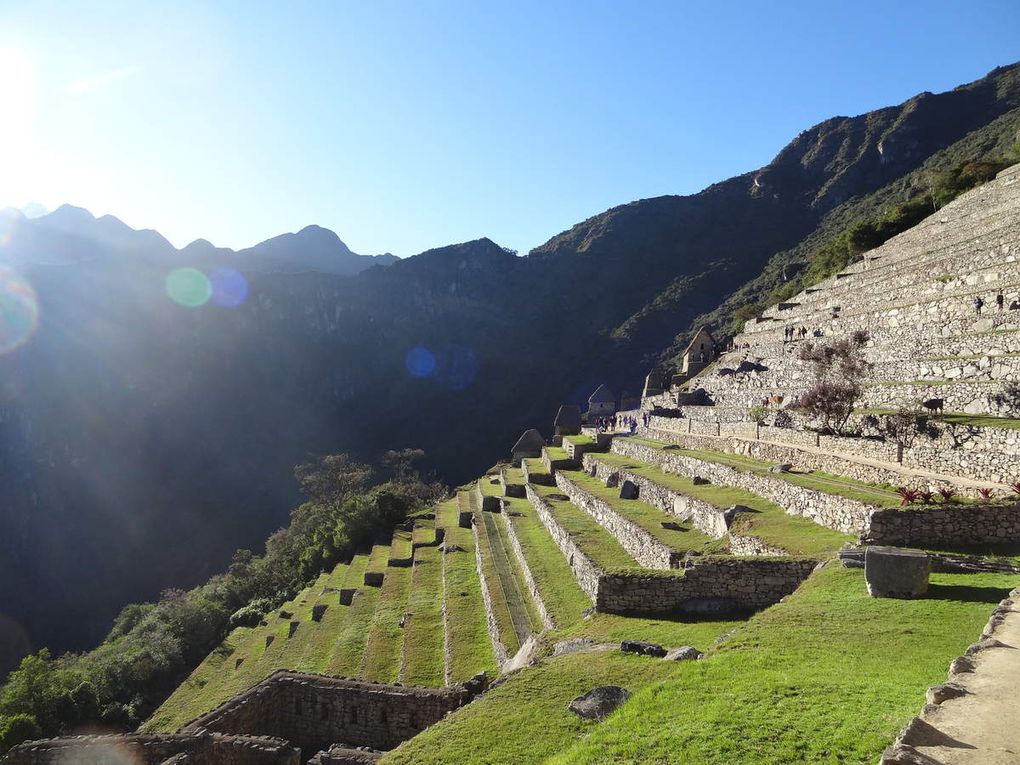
(982,726)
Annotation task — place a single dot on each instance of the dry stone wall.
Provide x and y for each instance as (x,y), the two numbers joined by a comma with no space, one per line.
(314,712)
(500,651)
(642,546)
(138,749)
(585,571)
(529,578)
(705,517)
(835,512)
(937,526)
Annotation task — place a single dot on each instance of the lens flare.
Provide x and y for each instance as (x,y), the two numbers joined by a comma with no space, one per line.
(458,368)
(19,310)
(229,287)
(188,287)
(420,362)
(6,227)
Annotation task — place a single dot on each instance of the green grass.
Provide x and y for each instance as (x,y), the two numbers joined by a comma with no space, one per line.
(381,660)
(514,475)
(490,489)
(564,599)
(579,440)
(507,604)
(511,565)
(424,532)
(470,647)
(400,546)
(799,699)
(869,494)
(595,542)
(648,517)
(217,678)
(378,559)
(422,655)
(556,453)
(770,523)
(669,632)
(831,675)
(349,644)
(526,719)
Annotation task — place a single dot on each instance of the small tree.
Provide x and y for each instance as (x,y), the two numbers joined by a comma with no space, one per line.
(840,368)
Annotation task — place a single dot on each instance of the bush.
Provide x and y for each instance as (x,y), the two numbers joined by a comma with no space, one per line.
(251,614)
(17,728)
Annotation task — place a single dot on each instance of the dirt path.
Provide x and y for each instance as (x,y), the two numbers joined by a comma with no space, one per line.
(981,727)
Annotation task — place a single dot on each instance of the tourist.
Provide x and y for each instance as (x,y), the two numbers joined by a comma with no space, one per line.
(999,299)
(978,305)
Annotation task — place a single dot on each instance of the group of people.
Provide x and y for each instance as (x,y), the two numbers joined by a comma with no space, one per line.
(1000,303)
(625,423)
(799,333)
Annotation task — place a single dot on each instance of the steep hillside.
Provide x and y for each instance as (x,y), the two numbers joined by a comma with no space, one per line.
(130,419)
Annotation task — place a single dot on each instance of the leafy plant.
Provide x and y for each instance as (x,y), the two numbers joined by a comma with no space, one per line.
(985,493)
(947,492)
(758,413)
(908,496)
(926,496)
(1015,486)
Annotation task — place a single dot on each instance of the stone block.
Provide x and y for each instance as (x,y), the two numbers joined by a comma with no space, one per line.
(317,611)
(347,596)
(629,490)
(896,572)
(293,628)
(643,648)
(374,578)
(683,653)
(699,480)
(464,519)
(599,702)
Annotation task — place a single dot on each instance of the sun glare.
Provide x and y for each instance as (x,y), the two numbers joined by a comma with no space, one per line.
(17,140)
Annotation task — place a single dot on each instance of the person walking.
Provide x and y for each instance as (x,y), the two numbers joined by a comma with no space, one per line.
(1000,300)
(978,305)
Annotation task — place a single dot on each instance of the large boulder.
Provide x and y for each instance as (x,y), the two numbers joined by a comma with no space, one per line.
(683,653)
(629,490)
(599,702)
(896,572)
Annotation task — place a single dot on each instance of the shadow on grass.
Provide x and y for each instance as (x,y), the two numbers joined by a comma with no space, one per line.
(966,593)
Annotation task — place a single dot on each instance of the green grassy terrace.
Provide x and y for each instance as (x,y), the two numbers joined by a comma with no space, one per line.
(593,540)
(219,676)
(423,662)
(381,659)
(556,453)
(349,641)
(535,466)
(510,566)
(378,559)
(400,545)
(564,599)
(513,474)
(424,532)
(770,523)
(508,607)
(869,494)
(580,440)
(831,675)
(648,517)
(470,648)
(488,488)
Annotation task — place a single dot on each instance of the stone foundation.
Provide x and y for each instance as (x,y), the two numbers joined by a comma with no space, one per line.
(184,749)
(941,526)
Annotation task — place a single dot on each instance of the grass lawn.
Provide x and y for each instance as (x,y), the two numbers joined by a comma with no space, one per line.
(447,513)
(349,644)
(829,676)
(770,523)
(424,532)
(514,475)
(556,453)
(381,661)
(400,546)
(512,565)
(867,493)
(488,488)
(579,440)
(648,517)
(563,598)
(512,621)
(526,719)
(378,559)
(470,647)
(535,466)
(422,656)
(594,541)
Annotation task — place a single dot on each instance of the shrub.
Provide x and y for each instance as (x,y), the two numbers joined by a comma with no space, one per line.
(925,496)
(17,728)
(985,493)
(831,403)
(908,496)
(947,492)
(251,614)
(1015,486)
(758,413)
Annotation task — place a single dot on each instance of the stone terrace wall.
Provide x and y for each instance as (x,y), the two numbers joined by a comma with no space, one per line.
(642,546)
(529,578)
(835,512)
(703,516)
(314,712)
(491,625)
(585,571)
(938,526)
(137,749)
(711,585)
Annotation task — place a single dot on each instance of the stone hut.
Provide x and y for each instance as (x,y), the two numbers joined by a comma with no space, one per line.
(568,421)
(698,354)
(601,403)
(530,444)
(654,383)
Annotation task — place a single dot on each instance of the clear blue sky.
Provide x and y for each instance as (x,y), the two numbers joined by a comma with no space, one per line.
(408,125)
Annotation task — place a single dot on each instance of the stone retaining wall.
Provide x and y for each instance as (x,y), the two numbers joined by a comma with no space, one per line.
(952,525)
(500,651)
(536,593)
(705,517)
(830,510)
(642,546)
(585,571)
(711,585)
(314,711)
(153,749)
